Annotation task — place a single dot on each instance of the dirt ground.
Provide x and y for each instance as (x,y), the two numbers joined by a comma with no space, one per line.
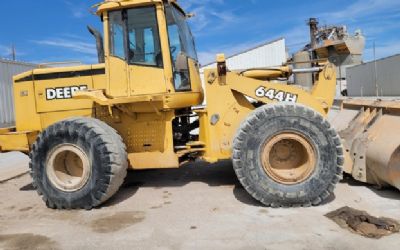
(199,206)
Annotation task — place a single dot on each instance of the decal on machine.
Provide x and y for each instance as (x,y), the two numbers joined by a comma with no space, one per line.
(63,92)
(276,95)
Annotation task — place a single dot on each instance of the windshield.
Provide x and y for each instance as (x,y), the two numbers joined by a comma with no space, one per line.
(179,32)
(182,47)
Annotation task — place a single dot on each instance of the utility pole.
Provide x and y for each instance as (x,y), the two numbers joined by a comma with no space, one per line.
(13,52)
(376,72)
(313,24)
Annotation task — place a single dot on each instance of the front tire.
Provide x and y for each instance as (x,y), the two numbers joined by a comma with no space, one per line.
(78,163)
(288,155)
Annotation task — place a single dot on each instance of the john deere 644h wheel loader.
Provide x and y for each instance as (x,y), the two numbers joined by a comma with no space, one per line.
(85,126)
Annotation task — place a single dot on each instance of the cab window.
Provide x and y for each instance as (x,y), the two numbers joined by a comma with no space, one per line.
(134,36)
(182,47)
(116,27)
(143,37)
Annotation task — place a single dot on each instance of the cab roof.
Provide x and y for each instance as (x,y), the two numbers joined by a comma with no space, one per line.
(123,4)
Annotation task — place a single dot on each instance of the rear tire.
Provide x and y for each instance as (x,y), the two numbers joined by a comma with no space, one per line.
(78,163)
(288,155)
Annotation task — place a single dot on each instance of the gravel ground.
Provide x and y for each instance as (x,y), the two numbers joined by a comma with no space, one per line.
(199,206)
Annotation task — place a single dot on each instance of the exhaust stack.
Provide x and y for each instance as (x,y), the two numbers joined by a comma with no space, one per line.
(99,43)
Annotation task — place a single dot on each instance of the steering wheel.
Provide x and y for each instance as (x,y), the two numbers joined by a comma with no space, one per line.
(132,45)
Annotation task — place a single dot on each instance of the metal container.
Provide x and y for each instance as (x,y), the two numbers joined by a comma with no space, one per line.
(301,60)
(7,70)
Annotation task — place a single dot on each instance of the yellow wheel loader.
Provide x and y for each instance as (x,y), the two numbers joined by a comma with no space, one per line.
(140,107)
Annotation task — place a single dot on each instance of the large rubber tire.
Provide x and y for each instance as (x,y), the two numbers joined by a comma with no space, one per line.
(106,155)
(271,120)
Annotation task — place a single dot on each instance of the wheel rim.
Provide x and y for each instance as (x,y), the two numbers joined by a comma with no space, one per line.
(68,167)
(288,158)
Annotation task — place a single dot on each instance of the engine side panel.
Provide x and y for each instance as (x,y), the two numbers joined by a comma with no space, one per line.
(44,96)
(26,117)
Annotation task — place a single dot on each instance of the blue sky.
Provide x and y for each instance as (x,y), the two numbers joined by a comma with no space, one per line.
(52,31)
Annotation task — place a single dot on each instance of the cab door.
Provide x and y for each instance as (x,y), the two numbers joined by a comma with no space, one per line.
(145,57)
(117,70)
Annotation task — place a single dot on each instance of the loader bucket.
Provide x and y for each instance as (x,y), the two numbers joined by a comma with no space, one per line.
(370,133)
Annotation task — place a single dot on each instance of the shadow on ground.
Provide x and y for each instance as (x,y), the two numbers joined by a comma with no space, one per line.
(214,175)
(28,187)
(218,174)
(241,195)
(384,192)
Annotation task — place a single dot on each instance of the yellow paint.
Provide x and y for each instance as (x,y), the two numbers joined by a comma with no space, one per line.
(325,90)
(117,73)
(220,58)
(115,5)
(27,119)
(195,80)
(146,80)
(153,160)
(99,81)
(266,74)
(14,142)
(163,30)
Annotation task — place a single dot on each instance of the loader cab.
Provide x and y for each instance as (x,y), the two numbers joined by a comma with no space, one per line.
(150,50)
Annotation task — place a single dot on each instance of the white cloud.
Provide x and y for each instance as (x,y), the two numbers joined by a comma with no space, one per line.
(206,57)
(210,14)
(74,45)
(187,4)
(78,10)
(363,8)
(4,51)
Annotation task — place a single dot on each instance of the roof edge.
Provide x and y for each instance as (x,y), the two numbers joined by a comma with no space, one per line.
(376,60)
(4,60)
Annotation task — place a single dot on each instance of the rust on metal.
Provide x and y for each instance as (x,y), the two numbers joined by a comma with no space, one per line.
(288,158)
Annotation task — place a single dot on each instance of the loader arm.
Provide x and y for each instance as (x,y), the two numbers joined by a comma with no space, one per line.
(320,99)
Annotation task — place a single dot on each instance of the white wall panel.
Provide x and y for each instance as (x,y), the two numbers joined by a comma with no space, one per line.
(7,70)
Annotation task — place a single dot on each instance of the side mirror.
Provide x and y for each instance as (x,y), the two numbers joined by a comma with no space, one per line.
(181,64)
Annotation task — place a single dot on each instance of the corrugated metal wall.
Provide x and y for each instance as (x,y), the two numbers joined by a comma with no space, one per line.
(266,55)
(361,78)
(7,70)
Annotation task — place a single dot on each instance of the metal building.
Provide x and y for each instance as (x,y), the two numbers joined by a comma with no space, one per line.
(7,70)
(377,78)
(268,54)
